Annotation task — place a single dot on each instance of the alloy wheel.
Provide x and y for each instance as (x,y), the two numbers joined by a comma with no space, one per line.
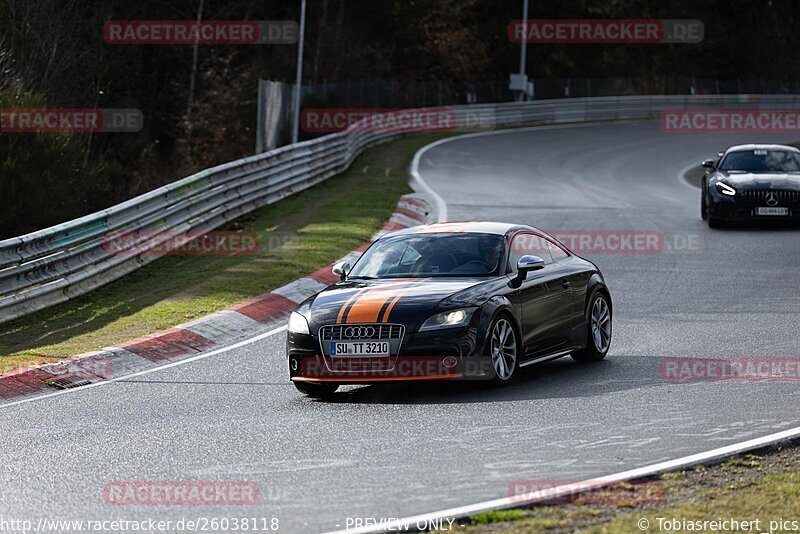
(601,325)
(504,349)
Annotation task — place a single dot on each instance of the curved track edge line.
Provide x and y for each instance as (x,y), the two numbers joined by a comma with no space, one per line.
(459,512)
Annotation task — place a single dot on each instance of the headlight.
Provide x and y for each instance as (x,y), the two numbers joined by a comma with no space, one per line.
(298,324)
(448,319)
(725,189)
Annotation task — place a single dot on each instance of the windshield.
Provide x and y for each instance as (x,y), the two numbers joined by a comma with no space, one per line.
(432,255)
(761,160)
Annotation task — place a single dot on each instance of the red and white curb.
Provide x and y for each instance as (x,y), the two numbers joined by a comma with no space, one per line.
(187,340)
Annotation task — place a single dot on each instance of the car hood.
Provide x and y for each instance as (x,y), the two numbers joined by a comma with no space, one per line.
(747,181)
(407,301)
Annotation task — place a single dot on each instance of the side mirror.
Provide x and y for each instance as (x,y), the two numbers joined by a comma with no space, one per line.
(528,263)
(341,269)
(709,164)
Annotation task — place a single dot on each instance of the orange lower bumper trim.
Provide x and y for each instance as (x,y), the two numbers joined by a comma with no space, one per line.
(345,379)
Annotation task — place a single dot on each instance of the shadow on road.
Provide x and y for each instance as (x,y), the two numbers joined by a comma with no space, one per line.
(557,379)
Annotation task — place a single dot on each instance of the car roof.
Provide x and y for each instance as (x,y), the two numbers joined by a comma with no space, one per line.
(761,146)
(466,227)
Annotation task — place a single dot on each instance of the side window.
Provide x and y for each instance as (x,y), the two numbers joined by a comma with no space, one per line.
(530,245)
(557,252)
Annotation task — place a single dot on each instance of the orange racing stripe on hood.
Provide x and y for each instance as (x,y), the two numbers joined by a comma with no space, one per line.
(350,303)
(347,303)
(368,306)
(388,310)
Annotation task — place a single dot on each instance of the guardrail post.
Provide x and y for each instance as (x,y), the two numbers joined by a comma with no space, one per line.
(260,119)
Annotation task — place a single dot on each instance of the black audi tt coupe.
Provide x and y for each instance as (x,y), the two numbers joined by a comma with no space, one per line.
(450,301)
(751,182)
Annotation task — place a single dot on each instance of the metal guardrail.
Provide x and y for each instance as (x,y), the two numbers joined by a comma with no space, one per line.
(56,264)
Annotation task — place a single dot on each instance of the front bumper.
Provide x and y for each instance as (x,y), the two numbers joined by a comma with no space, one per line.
(732,211)
(742,208)
(443,355)
(359,370)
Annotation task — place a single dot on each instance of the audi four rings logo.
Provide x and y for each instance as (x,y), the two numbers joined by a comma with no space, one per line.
(772,199)
(355,332)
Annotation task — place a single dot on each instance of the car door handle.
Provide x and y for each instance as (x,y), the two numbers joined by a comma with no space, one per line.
(566,284)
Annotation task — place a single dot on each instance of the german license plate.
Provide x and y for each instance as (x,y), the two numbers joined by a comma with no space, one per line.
(359,348)
(772,211)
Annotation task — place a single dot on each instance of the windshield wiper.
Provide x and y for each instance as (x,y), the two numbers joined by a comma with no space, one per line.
(362,277)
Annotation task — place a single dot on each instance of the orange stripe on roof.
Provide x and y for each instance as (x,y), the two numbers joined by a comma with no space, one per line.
(445,228)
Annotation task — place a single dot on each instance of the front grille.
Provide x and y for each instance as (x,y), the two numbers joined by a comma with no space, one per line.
(338,332)
(393,333)
(758,197)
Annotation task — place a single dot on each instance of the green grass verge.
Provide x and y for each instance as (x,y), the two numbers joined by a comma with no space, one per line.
(304,233)
(745,488)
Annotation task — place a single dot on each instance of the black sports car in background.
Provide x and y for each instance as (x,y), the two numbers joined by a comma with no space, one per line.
(450,301)
(751,181)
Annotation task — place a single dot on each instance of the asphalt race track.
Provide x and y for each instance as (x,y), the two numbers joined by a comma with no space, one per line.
(402,450)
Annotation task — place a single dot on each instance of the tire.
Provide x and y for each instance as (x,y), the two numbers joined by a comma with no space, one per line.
(316,391)
(703,207)
(598,334)
(713,222)
(503,350)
